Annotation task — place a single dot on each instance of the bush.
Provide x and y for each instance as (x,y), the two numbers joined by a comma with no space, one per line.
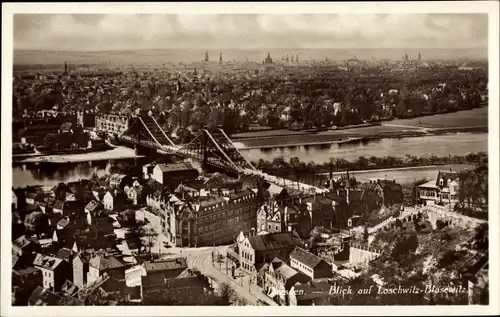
(440,224)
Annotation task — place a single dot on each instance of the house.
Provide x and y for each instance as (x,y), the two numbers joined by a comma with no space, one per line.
(390,192)
(65,254)
(92,208)
(118,180)
(270,218)
(173,174)
(30,198)
(24,246)
(80,269)
(103,262)
(443,189)
(114,200)
(102,223)
(168,268)
(55,271)
(147,171)
(188,288)
(310,264)
(24,281)
(258,249)
(311,293)
(69,208)
(58,207)
(46,297)
(277,278)
(134,193)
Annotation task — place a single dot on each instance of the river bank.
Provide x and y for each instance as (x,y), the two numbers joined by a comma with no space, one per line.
(373,133)
(116,153)
(372,168)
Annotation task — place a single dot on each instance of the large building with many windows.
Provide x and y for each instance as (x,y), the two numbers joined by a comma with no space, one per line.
(110,123)
(215,219)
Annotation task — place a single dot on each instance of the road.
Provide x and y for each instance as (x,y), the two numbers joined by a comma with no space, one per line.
(202,261)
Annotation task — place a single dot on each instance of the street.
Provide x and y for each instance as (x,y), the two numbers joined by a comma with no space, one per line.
(202,261)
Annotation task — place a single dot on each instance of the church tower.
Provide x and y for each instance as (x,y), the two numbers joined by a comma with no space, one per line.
(65,68)
(206,56)
(220,58)
(419,57)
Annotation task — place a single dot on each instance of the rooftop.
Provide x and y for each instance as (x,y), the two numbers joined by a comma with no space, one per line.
(165,265)
(47,261)
(305,257)
(274,241)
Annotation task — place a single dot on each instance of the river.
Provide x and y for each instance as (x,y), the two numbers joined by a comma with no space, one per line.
(49,174)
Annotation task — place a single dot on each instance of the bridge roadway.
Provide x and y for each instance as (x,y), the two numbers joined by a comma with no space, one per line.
(278,181)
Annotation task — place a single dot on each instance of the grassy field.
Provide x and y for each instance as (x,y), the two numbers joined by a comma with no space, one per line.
(474,117)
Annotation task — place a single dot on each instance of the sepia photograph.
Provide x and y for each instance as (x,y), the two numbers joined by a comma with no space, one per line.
(246,158)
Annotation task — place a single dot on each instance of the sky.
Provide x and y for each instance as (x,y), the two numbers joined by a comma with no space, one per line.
(96,32)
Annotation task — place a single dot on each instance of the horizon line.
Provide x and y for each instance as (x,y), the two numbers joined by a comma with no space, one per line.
(254,49)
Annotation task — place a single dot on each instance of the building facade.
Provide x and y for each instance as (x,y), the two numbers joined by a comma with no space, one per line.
(215,220)
(444,189)
(110,123)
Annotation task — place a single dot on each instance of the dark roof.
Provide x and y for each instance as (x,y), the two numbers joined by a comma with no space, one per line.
(66,126)
(31,195)
(64,253)
(31,208)
(43,297)
(58,205)
(305,257)
(211,202)
(241,194)
(184,166)
(274,241)
(390,185)
(93,205)
(25,271)
(103,263)
(165,265)
(446,176)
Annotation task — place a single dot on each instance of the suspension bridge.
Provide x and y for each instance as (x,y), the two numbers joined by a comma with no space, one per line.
(210,148)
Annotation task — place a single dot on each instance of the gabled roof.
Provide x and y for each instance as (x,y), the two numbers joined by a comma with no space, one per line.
(285,271)
(64,253)
(305,257)
(274,241)
(93,205)
(103,263)
(446,176)
(46,261)
(43,297)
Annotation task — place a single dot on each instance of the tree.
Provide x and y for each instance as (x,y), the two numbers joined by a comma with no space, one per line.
(366,234)
(36,222)
(226,293)
(295,163)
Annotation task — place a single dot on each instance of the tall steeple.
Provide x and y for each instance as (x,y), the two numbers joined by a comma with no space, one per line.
(419,57)
(406,57)
(206,56)
(65,68)
(220,58)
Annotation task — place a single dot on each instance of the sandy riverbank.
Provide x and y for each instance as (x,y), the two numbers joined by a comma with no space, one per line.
(113,154)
